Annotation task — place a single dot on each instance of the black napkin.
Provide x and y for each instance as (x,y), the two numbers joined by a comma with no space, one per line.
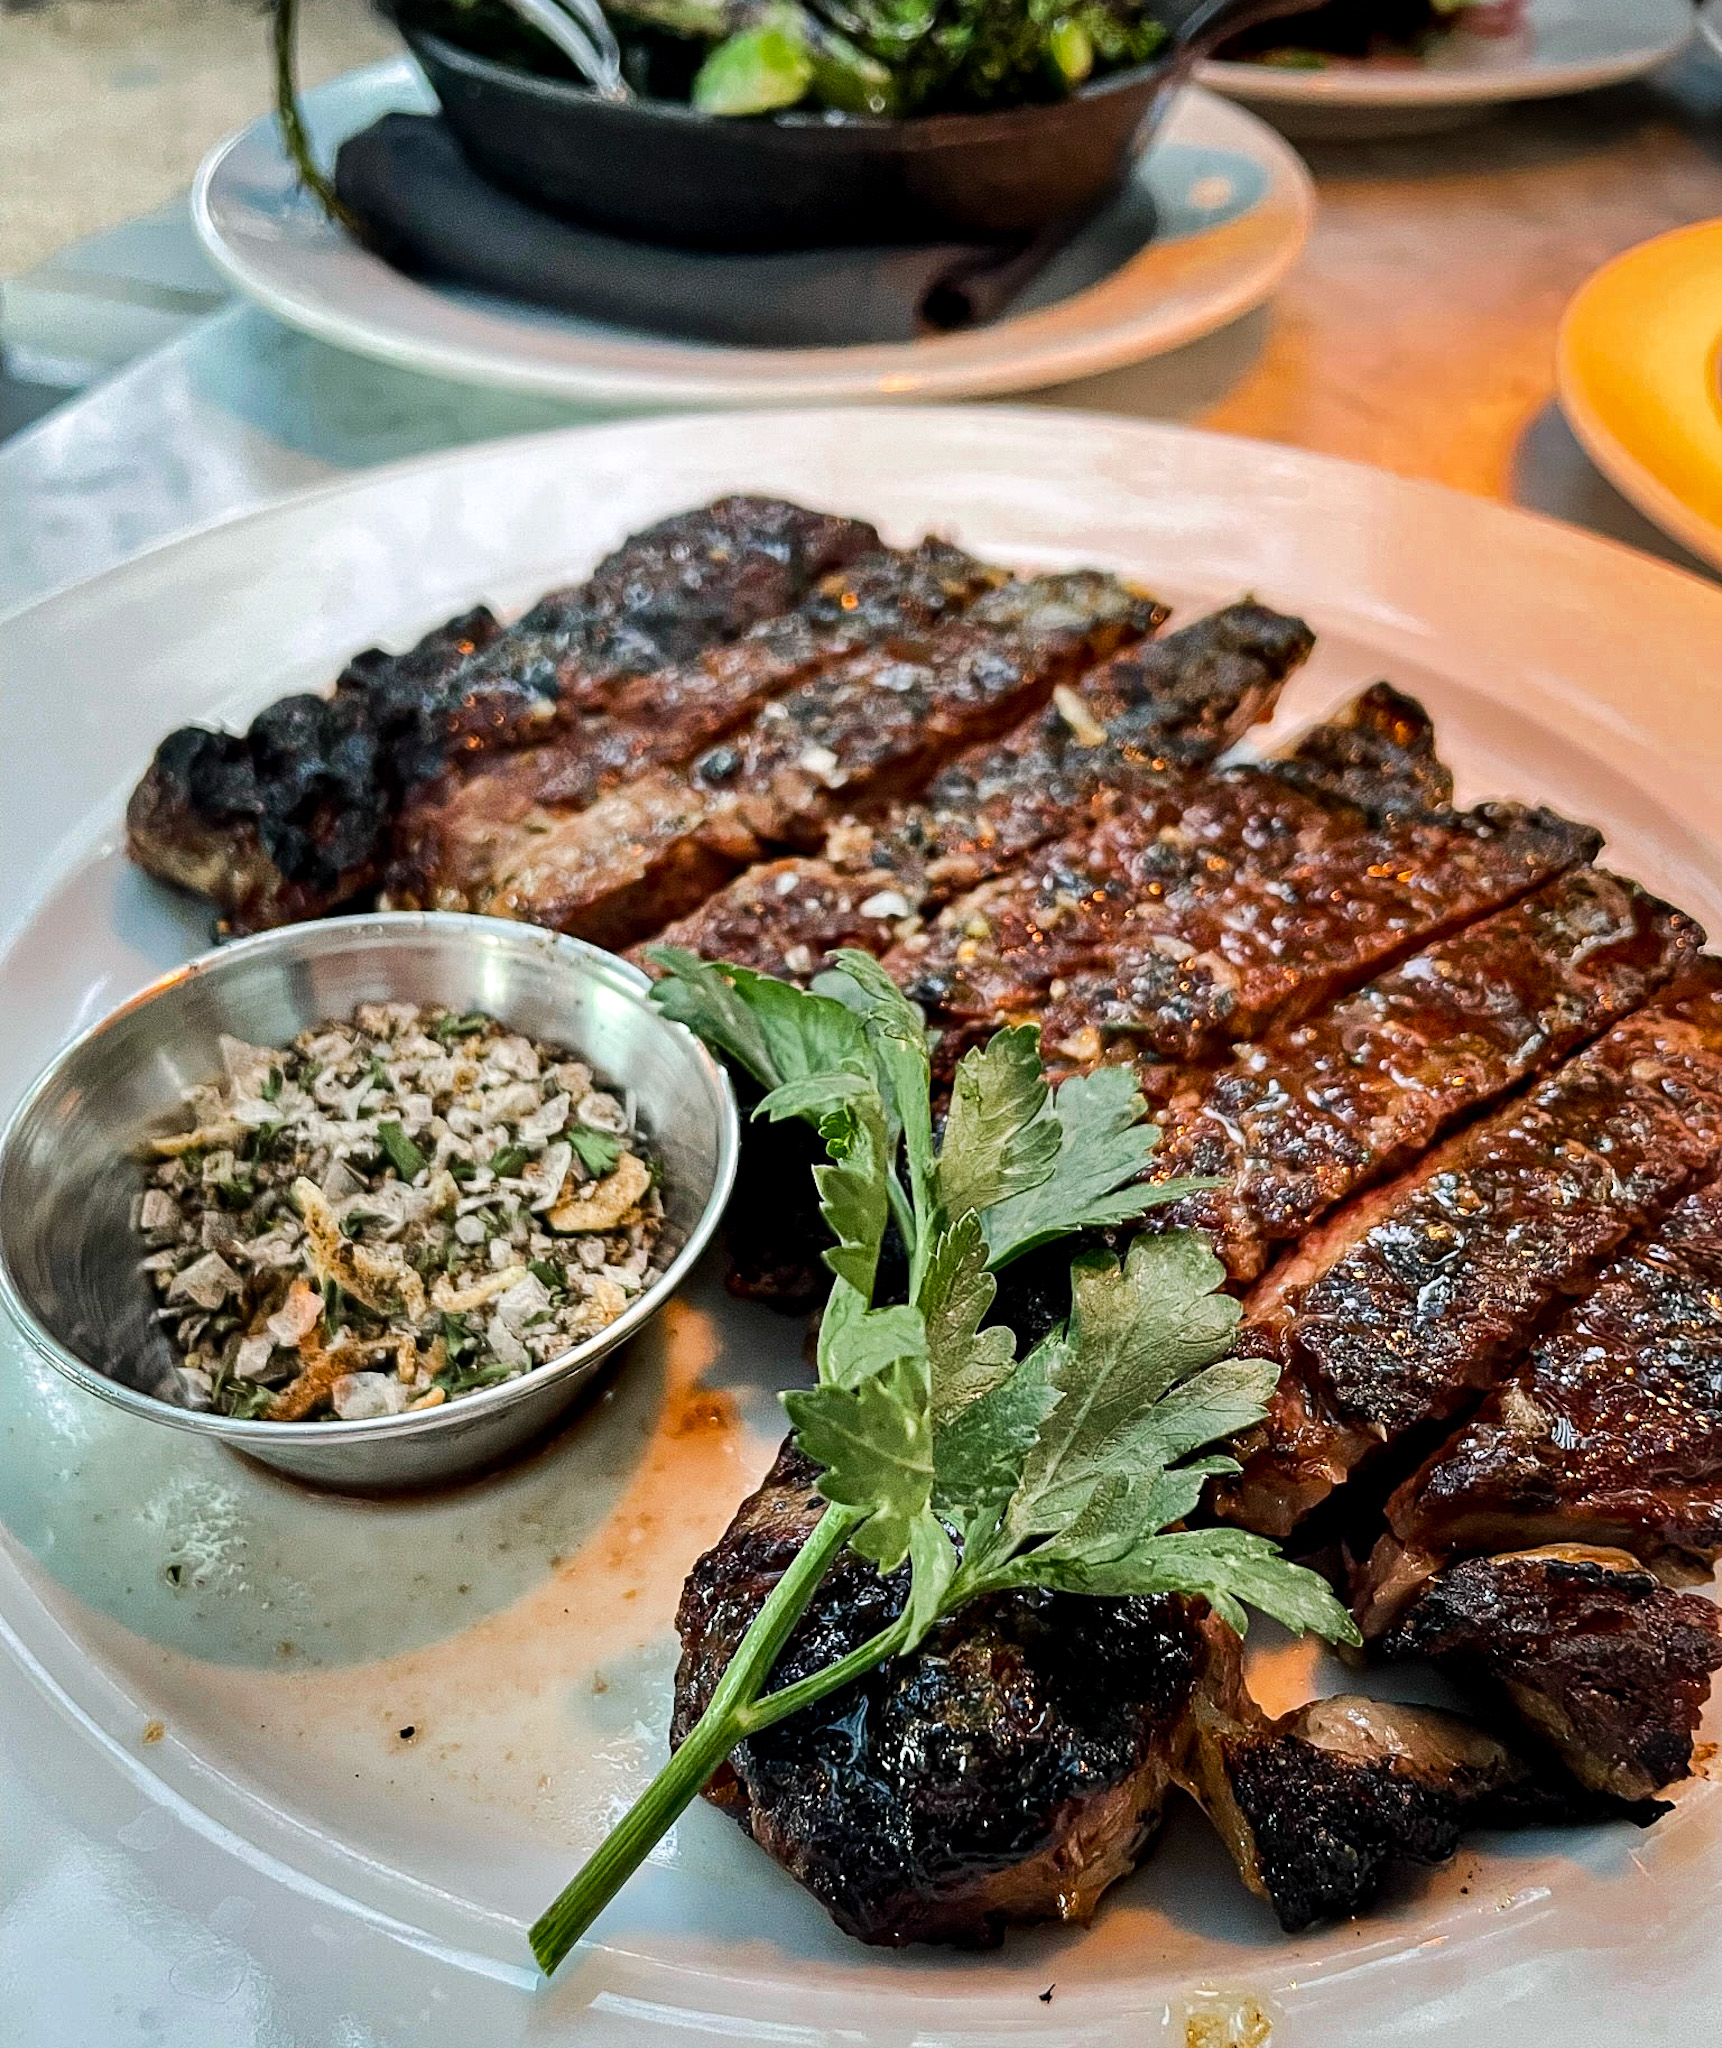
(428,212)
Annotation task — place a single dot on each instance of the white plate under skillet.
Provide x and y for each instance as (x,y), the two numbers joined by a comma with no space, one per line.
(1563,46)
(280,1770)
(1234,203)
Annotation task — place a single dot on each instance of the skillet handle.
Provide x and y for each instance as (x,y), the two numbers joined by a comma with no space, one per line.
(1197,25)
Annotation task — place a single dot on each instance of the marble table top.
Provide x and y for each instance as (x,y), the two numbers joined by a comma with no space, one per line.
(1417,334)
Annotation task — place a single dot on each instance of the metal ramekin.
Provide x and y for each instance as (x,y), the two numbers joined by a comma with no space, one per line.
(69,1258)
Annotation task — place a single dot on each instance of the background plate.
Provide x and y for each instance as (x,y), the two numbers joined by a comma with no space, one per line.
(1639,371)
(1566,46)
(1235,203)
(290,1770)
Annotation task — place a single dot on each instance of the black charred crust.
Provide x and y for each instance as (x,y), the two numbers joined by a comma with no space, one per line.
(1610,1666)
(1377,754)
(696,579)
(315,777)
(898,1799)
(1327,1826)
(313,786)
(1179,700)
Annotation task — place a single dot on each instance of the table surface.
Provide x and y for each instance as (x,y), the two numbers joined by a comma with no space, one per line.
(1417,334)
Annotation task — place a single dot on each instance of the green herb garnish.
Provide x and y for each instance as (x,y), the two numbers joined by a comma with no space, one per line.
(938,1445)
(597,1149)
(509,1160)
(404,1156)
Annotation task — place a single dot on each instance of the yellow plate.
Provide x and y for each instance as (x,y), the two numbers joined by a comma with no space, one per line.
(1639,359)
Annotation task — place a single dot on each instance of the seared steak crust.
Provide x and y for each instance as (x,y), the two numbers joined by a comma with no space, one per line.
(288,819)
(1319,1110)
(1209,910)
(1318,1806)
(482,815)
(1608,1667)
(293,817)
(870,727)
(690,581)
(1389,1318)
(1009,1770)
(1609,1432)
(1164,705)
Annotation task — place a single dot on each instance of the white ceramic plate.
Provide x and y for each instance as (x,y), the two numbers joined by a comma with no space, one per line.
(289,1770)
(1235,202)
(1565,46)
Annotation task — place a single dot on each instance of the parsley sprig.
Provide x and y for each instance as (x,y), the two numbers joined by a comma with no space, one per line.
(1066,1468)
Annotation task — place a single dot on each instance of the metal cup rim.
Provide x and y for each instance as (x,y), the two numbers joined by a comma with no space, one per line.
(622,977)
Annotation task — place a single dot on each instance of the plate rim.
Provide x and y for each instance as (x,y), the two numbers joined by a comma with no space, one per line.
(1359,86)
(695,375)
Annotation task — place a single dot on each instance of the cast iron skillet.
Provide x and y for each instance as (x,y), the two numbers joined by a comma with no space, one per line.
(659,171)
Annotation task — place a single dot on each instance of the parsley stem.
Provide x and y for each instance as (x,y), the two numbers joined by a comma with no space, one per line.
(790,1699)
(723,1724)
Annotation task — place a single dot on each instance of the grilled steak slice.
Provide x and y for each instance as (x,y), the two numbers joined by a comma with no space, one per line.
(1162,706)
(291,818)
(872,727)
(1609,1668)
(1609,1432)
(1008,1771)
(458,832)
(1321,1109)
(1210,912)
(1389,1319)
(1317,1806)
(1378,754)
(690,581)
(1166,705)
(288,819)
(783,917)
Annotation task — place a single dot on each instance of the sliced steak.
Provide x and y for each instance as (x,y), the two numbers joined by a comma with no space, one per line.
(1392,1317)
(1609,1432)
(1010,1770)
(291,818)
(1608,1667)
(783,917)
(1209,910)
(1317,1807)
(873,726)
(1163,706)
(1166,705)
(1317,1111)
(457,833)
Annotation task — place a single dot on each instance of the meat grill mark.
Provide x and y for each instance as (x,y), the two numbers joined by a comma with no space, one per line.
(687,583)
(456,834)
(1609,1668)
(1390,1318)
(291,818)
(1316,1807)
(1319,1110)
(287,819)
(1010,1770)
(868,728)
(1171,704)
(1609,1432)
(1163,706)
(1191,917)
(1015,1765)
